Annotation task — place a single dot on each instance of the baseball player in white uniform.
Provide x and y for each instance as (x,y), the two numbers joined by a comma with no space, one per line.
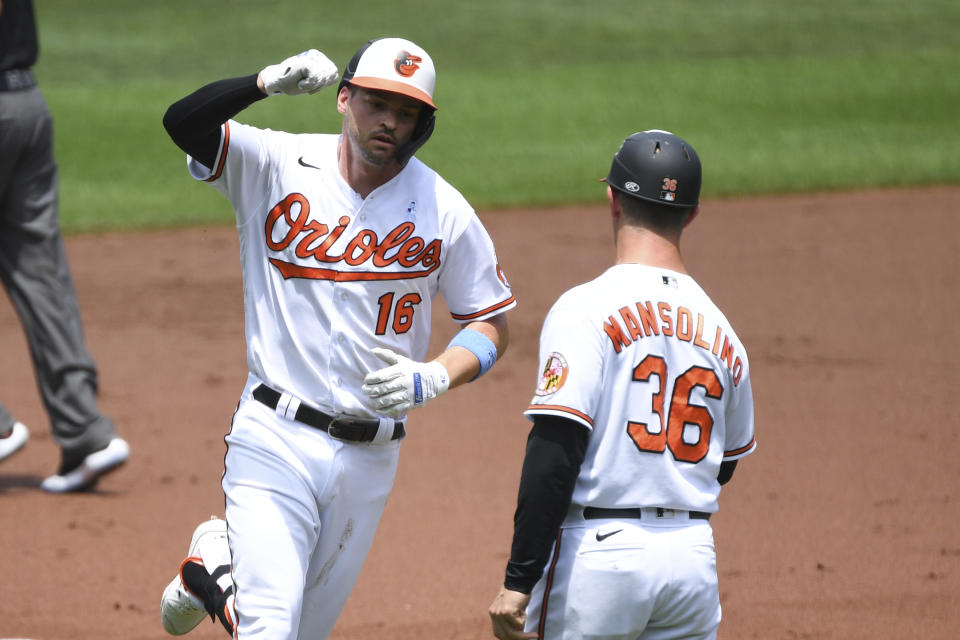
(642,409)
(345,242)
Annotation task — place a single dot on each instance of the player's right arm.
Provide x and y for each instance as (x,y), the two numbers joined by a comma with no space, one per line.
(306,72)
(195,122)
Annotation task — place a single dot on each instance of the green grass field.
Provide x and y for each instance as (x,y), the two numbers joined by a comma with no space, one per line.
(534,96)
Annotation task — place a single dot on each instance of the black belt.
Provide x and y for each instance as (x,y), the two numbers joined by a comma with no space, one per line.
(595,513)
(349,429)
(17,80)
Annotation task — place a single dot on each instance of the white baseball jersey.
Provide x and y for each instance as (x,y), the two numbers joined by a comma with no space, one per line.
(327,276)
(344,273)
(643,358)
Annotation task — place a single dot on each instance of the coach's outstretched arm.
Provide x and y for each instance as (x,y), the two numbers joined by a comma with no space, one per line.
(555,451)
(406,384)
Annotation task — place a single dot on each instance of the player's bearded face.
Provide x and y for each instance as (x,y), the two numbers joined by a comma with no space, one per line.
(377,122)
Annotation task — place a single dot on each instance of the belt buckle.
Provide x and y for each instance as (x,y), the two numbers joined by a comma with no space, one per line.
(17,79)
(665,513)
(352,429)
(339,428)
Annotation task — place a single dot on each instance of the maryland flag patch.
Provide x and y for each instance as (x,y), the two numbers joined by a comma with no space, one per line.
(553,376)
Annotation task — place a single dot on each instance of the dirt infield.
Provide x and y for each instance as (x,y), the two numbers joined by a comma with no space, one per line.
(842,526)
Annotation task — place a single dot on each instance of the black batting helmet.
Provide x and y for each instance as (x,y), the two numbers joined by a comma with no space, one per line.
(657,165)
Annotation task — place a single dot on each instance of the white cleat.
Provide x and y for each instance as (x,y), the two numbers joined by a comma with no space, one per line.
(86,474)
(180,610)
(14,440)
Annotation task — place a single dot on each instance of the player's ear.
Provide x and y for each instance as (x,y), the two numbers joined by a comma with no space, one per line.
(691,215)
(614,205)
(342,98)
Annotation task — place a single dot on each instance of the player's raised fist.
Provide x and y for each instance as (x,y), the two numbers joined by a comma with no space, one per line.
(307,72)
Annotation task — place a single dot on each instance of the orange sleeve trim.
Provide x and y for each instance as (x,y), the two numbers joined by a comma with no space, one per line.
(736,452)
(499,305)
(223,153)
(540,408)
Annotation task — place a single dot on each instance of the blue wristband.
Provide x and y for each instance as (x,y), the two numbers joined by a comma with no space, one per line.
(477,344)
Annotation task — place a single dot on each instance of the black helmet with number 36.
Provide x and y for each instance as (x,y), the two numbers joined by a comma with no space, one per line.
(658,166)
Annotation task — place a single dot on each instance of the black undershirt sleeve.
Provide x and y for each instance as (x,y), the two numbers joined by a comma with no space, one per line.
(726,471)
(555,450)
(194,122)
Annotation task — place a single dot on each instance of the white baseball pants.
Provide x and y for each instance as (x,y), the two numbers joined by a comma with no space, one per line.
(639,581)
(302,509)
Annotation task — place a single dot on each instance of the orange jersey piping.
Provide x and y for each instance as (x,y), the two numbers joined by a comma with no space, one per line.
(743,449)
(536,408)
(484,312)
(223,153)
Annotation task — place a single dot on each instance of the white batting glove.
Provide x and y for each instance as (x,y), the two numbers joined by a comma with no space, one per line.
(307,72)
(405,384)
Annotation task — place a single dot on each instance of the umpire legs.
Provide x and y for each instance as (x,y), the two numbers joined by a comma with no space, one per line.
(36,274)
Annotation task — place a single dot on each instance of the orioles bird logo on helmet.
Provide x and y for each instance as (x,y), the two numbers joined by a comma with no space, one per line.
(406,63)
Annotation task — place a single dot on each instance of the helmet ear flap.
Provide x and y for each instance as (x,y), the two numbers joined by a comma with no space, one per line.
(426,122)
